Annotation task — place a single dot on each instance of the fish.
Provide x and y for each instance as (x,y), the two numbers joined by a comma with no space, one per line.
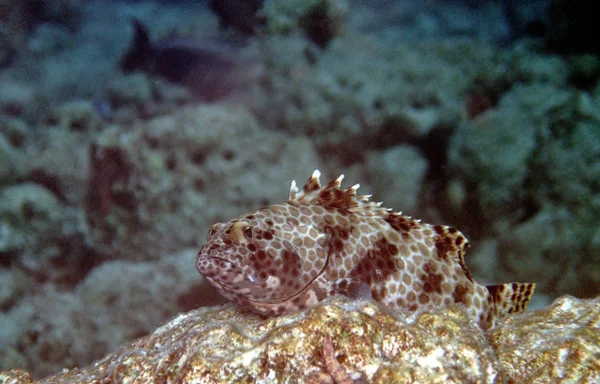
(326,241)
(213,70)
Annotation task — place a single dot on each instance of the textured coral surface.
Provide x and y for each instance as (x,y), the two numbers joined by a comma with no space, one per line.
(560,343)
(226,344)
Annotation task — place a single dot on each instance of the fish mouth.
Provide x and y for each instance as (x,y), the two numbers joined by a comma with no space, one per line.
(224,273)
(209,267)
(234,283)
(221,273)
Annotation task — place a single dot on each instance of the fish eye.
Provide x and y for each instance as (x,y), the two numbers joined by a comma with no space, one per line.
(240,231)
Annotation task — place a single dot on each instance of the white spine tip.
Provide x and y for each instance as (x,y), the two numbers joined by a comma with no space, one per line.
(293,190)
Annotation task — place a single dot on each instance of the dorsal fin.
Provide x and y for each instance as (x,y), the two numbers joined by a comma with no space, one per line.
(333,197)
(141,37)
(140,54)
(451,243)
(313,182)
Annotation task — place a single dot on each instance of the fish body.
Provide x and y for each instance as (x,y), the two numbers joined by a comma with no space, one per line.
(210,69)
(326,240)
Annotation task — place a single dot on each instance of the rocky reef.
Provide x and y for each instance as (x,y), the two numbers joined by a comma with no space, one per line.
(366,342)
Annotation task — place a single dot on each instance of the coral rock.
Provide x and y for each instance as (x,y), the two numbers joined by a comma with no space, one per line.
(226,344)
(559,343)
(355,340)
(15,376)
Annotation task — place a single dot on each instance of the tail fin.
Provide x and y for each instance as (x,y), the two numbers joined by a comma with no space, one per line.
(510,298)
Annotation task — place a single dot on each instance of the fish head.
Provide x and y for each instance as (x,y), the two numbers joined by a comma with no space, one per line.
(263,259)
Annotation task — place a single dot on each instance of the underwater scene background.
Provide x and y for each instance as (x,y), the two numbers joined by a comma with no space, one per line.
(128,128)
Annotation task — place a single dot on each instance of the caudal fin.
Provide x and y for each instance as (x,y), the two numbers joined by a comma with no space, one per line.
(510,298)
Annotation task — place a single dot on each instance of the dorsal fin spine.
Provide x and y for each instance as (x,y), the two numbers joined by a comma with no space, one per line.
(293,190)
(332,196)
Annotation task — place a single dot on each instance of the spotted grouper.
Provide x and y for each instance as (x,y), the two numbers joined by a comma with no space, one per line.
(326,241)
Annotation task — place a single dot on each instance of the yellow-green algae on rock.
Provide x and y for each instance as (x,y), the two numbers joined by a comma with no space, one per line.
(226,344)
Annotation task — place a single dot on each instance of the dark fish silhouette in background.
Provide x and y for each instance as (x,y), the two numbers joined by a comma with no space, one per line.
(241,15)
(212,70)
